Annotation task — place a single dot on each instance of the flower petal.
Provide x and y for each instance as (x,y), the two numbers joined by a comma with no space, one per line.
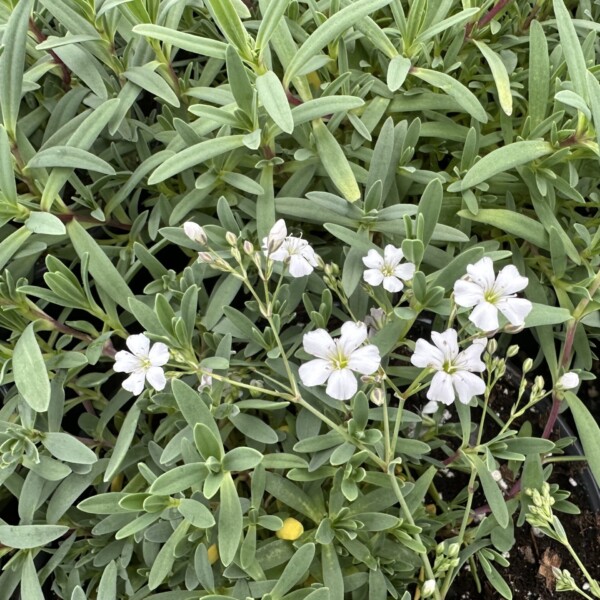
(515,309)
(373,276)
(427,355)
(156,378)
(405,271)
(315,372)
(159,354)
(467,385)
(125,362)
(392,284)
(441,389)
(482,273)
(139,344)
(365,360)
(373,260)
(309,255)
(392,255)
(353,335)
(342,384)
(280,255)
(568,381)
(135,382)
(318,343)
(467,293)
(447,342)
(510,281)
(470,358)
(430,408)
(485,316)
(299,266)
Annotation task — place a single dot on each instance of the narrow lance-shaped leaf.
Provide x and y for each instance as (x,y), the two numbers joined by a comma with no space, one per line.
(269,23)
(231,25)
(230,521)
(397,71)
(30,536)
(147,79)
(28,360)
(500,76)
(294,571)
(328,31)
(335,162)
(273,98)
(539,74)
(72,158)
(30,583)
(10,244)
(503,159)
(7,178)
(12,63)
(123,442)
(186,41)
(492,492)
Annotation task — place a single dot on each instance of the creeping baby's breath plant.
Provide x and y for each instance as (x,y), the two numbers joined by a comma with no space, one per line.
(264,265)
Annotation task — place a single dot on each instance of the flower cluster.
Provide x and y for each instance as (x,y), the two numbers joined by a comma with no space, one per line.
(295,252)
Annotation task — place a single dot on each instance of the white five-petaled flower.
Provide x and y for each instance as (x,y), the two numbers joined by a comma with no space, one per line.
(568,381)
(295,252)
(488,294)
(387,269)
(338,359)
(144,363)
(454,368)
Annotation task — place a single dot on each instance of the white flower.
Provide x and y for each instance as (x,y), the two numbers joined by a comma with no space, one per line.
(568,381)
(454,368)
(387,270)
(297,254)
(428,588)
(206,380)
(143,363)
(195,232)
(276,236)
(337,359)
(489,294)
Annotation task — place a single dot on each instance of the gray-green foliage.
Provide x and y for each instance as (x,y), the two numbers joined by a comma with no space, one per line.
(361,122)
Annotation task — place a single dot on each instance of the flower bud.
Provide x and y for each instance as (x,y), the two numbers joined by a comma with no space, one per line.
(231,238)
(195,232)
(377,397)
(527,365)
(205,257)
(213,554)
(568,381)
(453,550)
(492,346)
(248,248)
(512,351)
(428,588)
(292,529)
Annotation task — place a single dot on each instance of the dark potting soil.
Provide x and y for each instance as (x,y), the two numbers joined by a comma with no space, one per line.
(529,575)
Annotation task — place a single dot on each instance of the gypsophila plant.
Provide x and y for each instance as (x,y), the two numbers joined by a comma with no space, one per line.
(265,268)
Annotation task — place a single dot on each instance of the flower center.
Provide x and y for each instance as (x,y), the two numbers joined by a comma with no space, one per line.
(448,367)
(387,270)
(146,364)
(339,360)
(491,296)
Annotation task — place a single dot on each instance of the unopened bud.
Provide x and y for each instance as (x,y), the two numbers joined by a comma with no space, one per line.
(527,365)
(538,382)
(512,351)
(514,328)
(248,248)
(377,397)
(492,346)
(195,232)
(205,257)
(428,588)
(568,381)
(231,238)
(453,550)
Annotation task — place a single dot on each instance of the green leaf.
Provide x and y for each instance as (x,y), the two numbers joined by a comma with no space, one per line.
(30,536)
(230,521)
(196,513)
(254,428)
(512,222)
(186,41)
(241,459)
(588,432)
(430,206)
(295,571)
(45,223)
(231,25)
(107,588)
(503,159)
(68,448)
(334,161)
(332,572)
(195,155)
(500,75)
(28,360)
(163,563)
(193,408)
(269,23)
(453,21)
(124,440)
(11,244)
(465,97)
(104,272)
(397,71)
(7,177)
(492,492)
(329,31)
(240,85)
(69,157)
(594,91)
(273,98)
(207,443)
(571,47)
(30,584)
(152,82)
(539,74)
(12,63)
(179,478)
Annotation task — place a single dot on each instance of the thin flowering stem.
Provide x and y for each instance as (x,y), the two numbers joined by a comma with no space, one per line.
(245,386)
(409,518)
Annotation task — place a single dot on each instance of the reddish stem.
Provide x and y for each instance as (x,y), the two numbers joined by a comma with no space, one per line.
(42,37)
(68,217)
(486,18)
